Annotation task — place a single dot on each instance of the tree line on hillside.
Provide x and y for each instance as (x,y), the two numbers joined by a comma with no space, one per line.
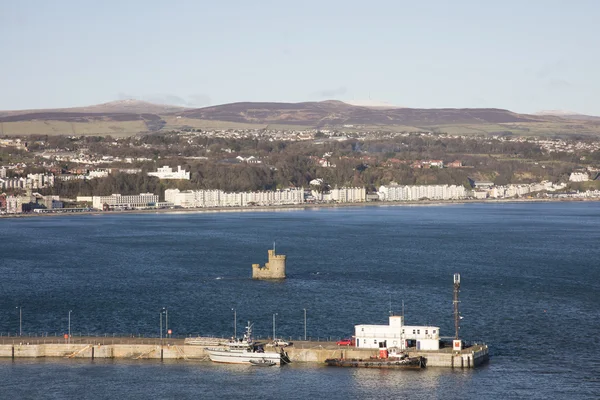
(160,146)
(298,171)
(294,164)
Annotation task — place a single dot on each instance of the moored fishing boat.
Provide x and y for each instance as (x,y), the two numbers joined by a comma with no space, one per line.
(244,351)
(392,359)
(409,362)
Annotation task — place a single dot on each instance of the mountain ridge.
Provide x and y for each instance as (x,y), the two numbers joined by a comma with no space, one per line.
(126,106)
(333,112)
(568,115)
(134,116)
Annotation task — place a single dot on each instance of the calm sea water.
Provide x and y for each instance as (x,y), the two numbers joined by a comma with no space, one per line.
(530,289)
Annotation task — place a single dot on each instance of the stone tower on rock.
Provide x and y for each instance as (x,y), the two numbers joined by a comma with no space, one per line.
(273,269)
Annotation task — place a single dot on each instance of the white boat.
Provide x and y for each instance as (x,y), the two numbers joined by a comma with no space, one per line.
(243,351)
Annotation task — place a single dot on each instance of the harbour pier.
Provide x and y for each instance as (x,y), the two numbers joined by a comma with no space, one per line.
(176,349)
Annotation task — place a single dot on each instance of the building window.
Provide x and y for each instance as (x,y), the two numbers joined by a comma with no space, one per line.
(434,331)
(414,332)
(426,331)
(418,331)
(403,331)
(375,341)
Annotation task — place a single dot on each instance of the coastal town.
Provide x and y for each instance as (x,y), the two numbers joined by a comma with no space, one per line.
(42,172)
(299,200)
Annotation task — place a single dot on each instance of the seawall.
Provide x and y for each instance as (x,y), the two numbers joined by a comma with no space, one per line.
(306,206)
(301,352)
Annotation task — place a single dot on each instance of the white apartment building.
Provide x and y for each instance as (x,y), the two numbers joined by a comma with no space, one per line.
(480,194)
(32,181)
(14,204)
(186,198)
(500,192)
(98,173)
(194,198)
(71,177)
(219,198)
(210,198)
(38,181)
(6,183)
(396,334)
(167,172)
(231,199)
(128,201)
(249,160)
(419,192)
(346,195)
(274,197)
(579,177)
(128,170)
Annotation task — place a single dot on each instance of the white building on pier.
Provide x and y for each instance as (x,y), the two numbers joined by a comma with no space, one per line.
(396,334)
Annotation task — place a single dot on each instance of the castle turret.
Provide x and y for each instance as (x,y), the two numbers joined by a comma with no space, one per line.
(273,269)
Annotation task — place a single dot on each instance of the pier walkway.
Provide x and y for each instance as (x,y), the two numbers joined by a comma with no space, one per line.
(171,348)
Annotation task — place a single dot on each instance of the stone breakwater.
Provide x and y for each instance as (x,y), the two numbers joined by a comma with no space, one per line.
(302,352)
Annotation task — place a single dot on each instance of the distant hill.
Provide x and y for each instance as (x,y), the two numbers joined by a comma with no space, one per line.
(328,113)
(122,117)
(129,106)
(568,115)
(128,117)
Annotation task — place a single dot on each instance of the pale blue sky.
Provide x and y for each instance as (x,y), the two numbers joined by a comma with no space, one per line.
(526,55)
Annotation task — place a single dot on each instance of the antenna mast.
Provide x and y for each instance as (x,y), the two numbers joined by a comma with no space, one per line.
(456,312)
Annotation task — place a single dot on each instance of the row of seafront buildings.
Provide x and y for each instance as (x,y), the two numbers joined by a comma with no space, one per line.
(13,204)
(217,198)
(480,190)
(220,198)
(186,199)
(32,181)
(206,198)
(419,192)
(485,190)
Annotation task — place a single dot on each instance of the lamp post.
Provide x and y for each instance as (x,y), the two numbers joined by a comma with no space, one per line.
(20,320)
(234,323)
(304,324)
(274,325)
(69,338)
(166,322)
(160,313)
